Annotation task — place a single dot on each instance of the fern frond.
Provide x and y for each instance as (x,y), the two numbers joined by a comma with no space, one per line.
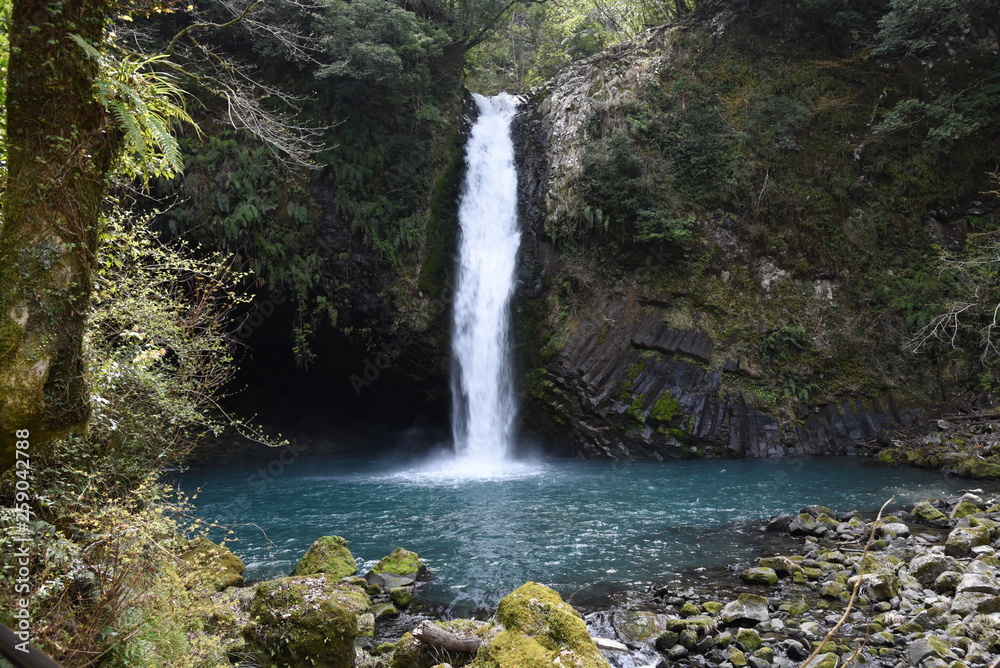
(144,102)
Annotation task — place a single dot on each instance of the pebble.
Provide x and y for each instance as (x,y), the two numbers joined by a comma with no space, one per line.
(921,594)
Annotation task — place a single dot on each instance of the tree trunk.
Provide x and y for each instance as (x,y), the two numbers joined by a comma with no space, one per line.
(60,149)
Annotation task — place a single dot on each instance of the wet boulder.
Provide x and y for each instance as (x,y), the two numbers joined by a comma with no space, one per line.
(928,647)
(759,575)
(891,529)
(399,569)
(539,629)
(746,610)
(637,626)
(961,540)
(401,562)
(805,524)
(305,620)
(817,510)
(947,582)
(877,586)
(927,567)
(926,513)
(964,509)
(979,578)
(779,523)
(329,554)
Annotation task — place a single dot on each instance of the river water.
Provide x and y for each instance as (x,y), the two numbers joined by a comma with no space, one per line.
(586,528)
(485,522)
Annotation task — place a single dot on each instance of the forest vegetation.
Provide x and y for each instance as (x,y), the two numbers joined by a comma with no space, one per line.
(165,164)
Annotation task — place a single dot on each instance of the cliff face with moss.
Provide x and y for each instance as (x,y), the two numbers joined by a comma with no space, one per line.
(736,228)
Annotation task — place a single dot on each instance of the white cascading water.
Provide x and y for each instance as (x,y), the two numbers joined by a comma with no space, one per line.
(483,404)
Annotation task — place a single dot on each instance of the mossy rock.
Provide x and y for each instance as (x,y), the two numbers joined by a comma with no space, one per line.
(781,565)
(759,575)
(212,565)
(702,624)
(411,653)
(383,610)
(889,456)
(366,625)
(401,562)
(832,590)
(963,509)
(329,554)
(712,607)
(401,596)
(305,620)
(749,640)
(828,660)
(979,468)
(690,610)
(795,608)
(539,629)
(926,513)
(666,640)
(765,653)
(827,520)
(637,626)
(961,540)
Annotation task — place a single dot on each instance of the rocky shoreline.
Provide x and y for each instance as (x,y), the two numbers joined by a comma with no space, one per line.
(919,587)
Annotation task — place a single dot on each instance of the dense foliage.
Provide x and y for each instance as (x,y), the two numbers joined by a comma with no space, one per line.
(104,530)
(748,184)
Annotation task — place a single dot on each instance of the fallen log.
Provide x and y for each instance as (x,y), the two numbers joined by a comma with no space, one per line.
(431,634)
(971,416)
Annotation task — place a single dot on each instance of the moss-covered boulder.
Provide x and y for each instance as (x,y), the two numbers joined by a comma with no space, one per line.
(964,509)
(411,653)
(926,513)
(702,625)
(638,626)
(305,621)
(748,640)
(961,540)
(401,562)
(329,554)
(781,565)
(746,610)
(539,630)
(401,596)
(759,575)
(211,565)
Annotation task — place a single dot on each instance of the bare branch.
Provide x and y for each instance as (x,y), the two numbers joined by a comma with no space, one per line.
(249,103)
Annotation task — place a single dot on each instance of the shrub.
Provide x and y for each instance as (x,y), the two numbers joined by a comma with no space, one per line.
(107,587)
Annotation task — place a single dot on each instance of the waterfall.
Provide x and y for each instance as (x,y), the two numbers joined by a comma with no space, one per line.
(483,403)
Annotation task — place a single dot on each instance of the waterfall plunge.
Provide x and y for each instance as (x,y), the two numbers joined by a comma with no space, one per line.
(483,403)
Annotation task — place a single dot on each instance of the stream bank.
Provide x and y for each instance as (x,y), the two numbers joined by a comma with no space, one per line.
(928,594)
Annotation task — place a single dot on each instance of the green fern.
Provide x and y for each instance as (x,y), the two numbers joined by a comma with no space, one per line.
(144,101)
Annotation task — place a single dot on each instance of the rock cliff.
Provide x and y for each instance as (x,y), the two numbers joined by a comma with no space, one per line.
(722,258)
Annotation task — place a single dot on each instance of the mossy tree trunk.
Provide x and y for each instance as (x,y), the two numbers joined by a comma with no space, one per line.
(60,148)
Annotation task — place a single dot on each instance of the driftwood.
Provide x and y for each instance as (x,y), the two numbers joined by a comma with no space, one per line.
(608,643)
(432,634)
(972,416)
